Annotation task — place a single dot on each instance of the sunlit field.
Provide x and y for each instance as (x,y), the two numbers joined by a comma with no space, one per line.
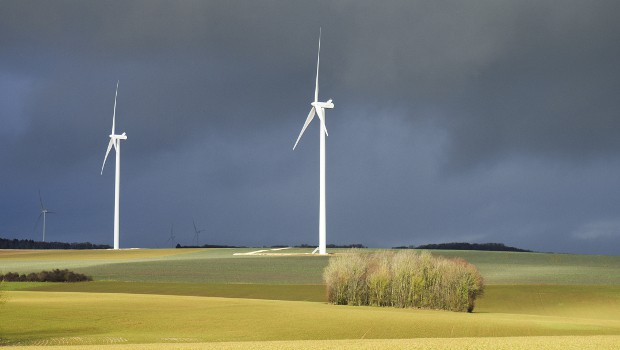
(194,298)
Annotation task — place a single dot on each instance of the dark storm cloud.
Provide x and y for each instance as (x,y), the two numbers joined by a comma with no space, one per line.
(479,120)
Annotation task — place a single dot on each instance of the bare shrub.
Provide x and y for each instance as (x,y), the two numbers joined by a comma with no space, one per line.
(349,272)
(379,280)
(404,279)
(403,265)
(357,292)
(336,276)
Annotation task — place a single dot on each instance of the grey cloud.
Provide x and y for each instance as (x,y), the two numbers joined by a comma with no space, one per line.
(480,120)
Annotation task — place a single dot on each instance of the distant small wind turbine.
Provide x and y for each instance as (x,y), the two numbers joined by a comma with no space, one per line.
(319,108)
(115,140)
(172,236)
(43,213)
(196,233)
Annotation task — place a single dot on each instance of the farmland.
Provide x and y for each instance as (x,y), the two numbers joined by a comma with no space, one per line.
(197,297)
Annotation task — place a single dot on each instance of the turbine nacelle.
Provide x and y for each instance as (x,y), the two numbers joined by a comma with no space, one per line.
(323,105)
(119,137)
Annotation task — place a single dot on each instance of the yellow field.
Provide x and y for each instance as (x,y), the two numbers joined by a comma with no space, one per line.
(507,343)
(92,318)
(166,311)
(64,255)
(36,260)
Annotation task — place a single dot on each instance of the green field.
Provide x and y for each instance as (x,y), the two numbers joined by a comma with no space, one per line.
(196,298)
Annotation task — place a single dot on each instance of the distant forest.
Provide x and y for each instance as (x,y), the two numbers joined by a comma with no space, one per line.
(354,245)
(208,246)
(30,244)
(273,246)
(495,247)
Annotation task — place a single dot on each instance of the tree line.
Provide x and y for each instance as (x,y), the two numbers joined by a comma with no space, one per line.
(30,244)
(179,246)
(55,275)
(495,247)
(353,245)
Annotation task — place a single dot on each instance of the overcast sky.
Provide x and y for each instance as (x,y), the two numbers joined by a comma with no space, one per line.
(475,121)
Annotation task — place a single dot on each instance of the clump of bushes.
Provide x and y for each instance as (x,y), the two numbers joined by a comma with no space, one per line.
(406,279)
(46,276)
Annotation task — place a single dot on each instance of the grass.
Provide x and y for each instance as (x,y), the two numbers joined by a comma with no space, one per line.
(591,302)
(88,255)
(513,343)
(23,261)
(543,300)
(155,318)
(541,268)
(221,266)
(244,269)
(194,298)
(172,265)
(249,291)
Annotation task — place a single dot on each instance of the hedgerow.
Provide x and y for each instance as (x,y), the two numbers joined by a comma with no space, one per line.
(405,279)
(46,276)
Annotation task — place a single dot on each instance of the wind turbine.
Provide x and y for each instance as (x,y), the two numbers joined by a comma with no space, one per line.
(172,236)
(319,109)
(197,232)
(115,140)
(43,213)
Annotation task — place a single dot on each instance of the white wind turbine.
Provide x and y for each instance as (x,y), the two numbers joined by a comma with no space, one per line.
(115,140)
(196,233)
(43,213)
(172,236)
(319,108)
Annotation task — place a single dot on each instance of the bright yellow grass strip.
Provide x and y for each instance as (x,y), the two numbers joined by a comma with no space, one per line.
(88,254)
(32,318)
(512,343)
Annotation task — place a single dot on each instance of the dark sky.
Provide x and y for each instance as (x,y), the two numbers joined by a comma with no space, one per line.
(478,121)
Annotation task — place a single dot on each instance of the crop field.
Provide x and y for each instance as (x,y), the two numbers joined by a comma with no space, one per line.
(211,298)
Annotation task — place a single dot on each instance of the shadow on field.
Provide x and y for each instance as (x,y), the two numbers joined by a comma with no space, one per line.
(290,292)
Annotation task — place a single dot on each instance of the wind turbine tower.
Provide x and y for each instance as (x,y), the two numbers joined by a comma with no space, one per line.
(319,109)
(172,236)
(43,213)
(115,141)
(196,233)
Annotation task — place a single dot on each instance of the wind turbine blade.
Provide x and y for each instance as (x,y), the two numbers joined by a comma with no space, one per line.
(37,222)
(114,115)
(106,154)
(318,59)
(195,229)
(308,120)
(321,113)
(41,200)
